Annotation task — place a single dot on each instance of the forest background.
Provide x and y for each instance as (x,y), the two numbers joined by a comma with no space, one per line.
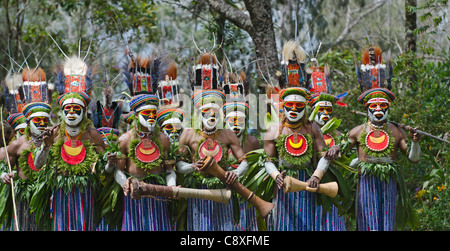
(414,34)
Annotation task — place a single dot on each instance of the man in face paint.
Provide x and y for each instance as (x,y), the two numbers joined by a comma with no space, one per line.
(18,122)
(324,113)
(378,142)
(210,118)
(147,117)
(299,138)
(378,110)
(22,150)
(294,111)
(145,152)
(37,117)
(170,121)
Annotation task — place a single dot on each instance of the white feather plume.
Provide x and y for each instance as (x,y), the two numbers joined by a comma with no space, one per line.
(75,66)
(13,81)
(292,48)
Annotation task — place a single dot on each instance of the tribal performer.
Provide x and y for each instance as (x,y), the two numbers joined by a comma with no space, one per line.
(378,142)
(207,138)
(71,151)
(297,143)
(324,102)
(170,115)
(106,114)
(145,150)
(236,112)
(21,152)
(18,122)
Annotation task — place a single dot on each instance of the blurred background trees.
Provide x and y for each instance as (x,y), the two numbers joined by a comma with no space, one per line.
(250,34)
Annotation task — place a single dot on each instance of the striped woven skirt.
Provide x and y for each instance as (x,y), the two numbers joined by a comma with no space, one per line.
(26,219)
(207,215)
(73,211)
(330,221)
(376,204)
(294,211)
(247,218)
(146,214)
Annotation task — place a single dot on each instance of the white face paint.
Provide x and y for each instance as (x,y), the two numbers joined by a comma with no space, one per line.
(146,123)
(378,116)
(73,114)
(293,116)
(378,112)
(236,122)
(294,107)
(210,118)
(38,122)
(147,117)
(35,130)
(172,128)
(324,113)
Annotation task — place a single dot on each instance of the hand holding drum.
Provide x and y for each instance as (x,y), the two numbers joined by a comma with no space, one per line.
(293,185)
(211,167)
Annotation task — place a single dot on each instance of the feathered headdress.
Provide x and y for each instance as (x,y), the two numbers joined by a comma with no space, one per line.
(320,83)
(142,75)
(235,86)
(293,72)
(13,92)
(35,86)
(168,89)
(205,73)
(319,78)
(74,76)
(372,73)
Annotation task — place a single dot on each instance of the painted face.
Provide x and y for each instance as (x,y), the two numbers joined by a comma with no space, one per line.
(38,124)
(294,110)
(236,124)
(73,114)
(378,112)
(210,118)
(147,118)
(20,132)
(173,131)
(324,114)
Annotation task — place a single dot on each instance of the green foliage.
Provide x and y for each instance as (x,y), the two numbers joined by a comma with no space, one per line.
(429,8)
(421,85)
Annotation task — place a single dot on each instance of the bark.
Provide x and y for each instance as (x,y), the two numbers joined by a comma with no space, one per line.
(411,39)
(259,25)
(410,26)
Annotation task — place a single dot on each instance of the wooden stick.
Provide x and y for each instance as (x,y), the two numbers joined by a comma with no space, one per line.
(10,171)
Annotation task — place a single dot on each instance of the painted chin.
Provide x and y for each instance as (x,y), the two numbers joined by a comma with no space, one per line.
(294,116)
(378,116)
(237,130)
(209,123)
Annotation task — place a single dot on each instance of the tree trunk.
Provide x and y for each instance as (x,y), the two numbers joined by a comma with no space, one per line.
(410,26)
(259,25)
(411,39)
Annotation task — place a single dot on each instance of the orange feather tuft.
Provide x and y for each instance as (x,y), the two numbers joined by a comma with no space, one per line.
(33,75)
(378,55)
(172,71)
(207,58)
(243,76)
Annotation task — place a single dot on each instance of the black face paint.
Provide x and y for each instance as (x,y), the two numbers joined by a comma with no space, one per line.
(378,112)
(72,109)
